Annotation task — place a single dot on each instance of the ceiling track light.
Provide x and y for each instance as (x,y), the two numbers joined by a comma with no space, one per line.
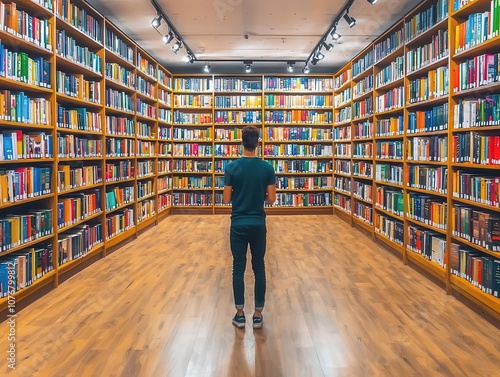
(372,1)
(206,68)
(289,66)
(188,58)
(314,60)
(248,68)
(168,38)
(350,20)
(306,69)
(328,47)
(320,55)
(176,46)
(156,22)
(335,36)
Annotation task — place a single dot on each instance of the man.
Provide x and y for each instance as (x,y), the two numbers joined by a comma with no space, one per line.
(248,183)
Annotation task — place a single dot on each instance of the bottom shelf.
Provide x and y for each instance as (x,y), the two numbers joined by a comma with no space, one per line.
(429,266)
(25,292)
(146,222)
(121,237)
(363,224)
(388,241)
(473,293)
(75,262)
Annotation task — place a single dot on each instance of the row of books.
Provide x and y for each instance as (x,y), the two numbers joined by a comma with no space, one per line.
(392,72)
(423,21)
(343,184)
(363,212)
(118,46)
(78,242)
(26,25)
(475,148)
(298,84)
(145,109)
(22,183)
(281,100)
(362,190)
(343,97)
(145,66)
(236,85)
(362,87)
(249,117)
(70,177)
(77,208)
(482,271)
(79,18)
(481,228)
(421,56)
(17,145)
(363,63)
(427,209)
(145,87)
(435,85)
(390,200)
(24,67)
(76,86)
(67,47)
(392,149)
(16,230)
(21,269)
(429,244)
(238,101)
(119,222)
(78,119)
(477,112)
(193,100)
(119,100)
(298,133)
(433,148)
(119,126)
(430,120)
(146,209)
(21,108)
(343,115)
(120,74)
(119,196)
(476,72)
(298,150)
(391,100)
(363,108)
(73,146)
(390,228)
(303,183)
(388,46)
(145,189)
(479,188)
(342,78)
(478,28)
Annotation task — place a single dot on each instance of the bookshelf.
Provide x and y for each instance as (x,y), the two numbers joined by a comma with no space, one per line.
(297,141)
(436,144)
(343,146)
(88,120)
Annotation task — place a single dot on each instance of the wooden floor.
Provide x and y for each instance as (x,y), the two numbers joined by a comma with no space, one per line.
(337,305)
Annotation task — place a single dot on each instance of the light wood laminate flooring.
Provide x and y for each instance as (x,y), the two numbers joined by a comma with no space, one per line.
(337,305)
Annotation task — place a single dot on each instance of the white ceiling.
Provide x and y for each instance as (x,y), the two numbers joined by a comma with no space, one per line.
(276,29)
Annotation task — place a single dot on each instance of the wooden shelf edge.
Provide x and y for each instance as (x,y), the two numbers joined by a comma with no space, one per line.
(62,269)
(490,302)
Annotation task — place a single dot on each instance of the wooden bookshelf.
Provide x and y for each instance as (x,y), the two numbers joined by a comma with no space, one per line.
(75,177)
(430,176)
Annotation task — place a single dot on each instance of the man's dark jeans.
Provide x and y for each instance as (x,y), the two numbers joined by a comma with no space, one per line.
(240,237)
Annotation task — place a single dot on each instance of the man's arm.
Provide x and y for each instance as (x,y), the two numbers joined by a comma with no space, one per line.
(226,196)
(271,194)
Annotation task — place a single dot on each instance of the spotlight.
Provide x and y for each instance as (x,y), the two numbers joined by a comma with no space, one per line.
(350,20)
(168,38)
(176,47)
(336,36)
(289,67)
(206,68)
(156,22)
(248,68)
(320,55)
(372,1)
(328,47)
(188,58)
(305,69)
(314,60)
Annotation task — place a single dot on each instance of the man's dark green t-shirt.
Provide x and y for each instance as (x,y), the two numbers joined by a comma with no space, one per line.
(249,178)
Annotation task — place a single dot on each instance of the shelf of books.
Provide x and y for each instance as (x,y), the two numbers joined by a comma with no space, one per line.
(342,148)
(193,143)
(297,141)
(78,165)
(436,143)
(361,135)
(164,136)
(237,103)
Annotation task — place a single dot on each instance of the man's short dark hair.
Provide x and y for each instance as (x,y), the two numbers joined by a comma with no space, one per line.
(250,138)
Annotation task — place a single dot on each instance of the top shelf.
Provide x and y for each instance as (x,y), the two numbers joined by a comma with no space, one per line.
(474,6)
